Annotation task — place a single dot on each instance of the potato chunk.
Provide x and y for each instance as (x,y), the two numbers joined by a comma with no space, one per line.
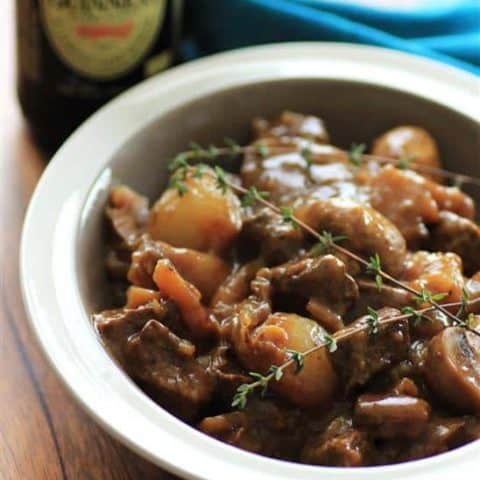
(411,141)
(204,218)
(267,345)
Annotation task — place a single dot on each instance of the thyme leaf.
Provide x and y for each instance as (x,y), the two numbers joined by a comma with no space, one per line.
(253,195)
(372,322)
(330,343)
(306,153)
(325,243)
(298,358)
(374,267)
(262,149)
(355,153)
(287,216)
(425,297)
(222,182)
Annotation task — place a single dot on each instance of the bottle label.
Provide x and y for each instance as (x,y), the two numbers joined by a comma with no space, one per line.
(102,39)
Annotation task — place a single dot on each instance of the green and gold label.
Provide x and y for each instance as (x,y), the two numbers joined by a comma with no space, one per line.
(102,39)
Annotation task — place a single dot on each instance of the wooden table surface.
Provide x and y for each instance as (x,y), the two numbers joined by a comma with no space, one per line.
(43,433)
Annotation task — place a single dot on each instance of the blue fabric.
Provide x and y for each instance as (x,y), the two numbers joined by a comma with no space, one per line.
(444,30)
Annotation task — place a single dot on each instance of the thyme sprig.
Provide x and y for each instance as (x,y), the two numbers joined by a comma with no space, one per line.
(288,216)
(415,315)
(297,359)
(325,243)
(306,153)
(372,321)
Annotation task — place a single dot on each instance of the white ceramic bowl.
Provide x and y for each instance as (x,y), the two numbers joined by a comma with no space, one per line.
(61,257)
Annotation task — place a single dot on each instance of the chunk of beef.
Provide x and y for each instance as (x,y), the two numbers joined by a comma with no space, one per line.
(361,356)
(324,276)
(340,445)
(392,416)
(234,290)
(117,326)
(290,124)
(441,435)
(236,286)
(371,296)
(223,367)
(469,432)
(165,366)
(460,235)
(324,281)
(117,262)
(266,234)
(263,427)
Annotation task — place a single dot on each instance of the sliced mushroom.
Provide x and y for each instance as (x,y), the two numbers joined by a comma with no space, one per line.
(368,232)
(392,416)
(452,368)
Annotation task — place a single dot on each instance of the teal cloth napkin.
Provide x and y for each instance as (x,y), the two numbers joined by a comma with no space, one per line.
(444,30)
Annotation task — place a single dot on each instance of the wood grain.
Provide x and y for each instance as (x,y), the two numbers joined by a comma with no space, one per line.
(43,433)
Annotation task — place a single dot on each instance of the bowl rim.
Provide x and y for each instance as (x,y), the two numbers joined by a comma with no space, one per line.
(59,207)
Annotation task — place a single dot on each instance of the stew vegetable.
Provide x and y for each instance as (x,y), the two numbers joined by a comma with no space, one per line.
(321,306)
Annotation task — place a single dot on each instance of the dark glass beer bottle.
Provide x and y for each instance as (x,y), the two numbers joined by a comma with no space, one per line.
(74,55)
